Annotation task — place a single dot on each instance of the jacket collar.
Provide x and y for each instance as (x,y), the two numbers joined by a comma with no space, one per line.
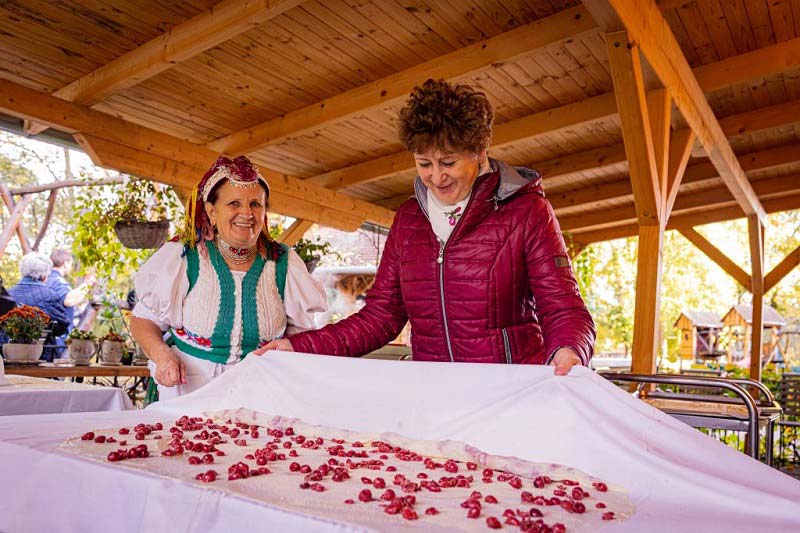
(511,180)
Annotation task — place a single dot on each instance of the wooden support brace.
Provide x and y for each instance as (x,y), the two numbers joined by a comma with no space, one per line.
(22,235)
(295,232)
(781,269)
(716,255)
(13,221)
(680,148)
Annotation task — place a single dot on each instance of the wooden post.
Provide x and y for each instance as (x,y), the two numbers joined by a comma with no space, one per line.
(22,235)
(648,299)
(756,234)
(13,221)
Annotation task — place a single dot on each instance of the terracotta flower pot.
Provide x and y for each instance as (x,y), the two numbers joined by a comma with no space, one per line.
(22,353)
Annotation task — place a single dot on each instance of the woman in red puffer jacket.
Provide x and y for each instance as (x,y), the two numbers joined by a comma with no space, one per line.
(475,261)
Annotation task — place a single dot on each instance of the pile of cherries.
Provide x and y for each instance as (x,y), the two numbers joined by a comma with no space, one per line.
(399,499)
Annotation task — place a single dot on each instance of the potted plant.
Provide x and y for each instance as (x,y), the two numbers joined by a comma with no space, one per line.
(140,214)
(24,326)
(312,251)
(82,346)
(112,348)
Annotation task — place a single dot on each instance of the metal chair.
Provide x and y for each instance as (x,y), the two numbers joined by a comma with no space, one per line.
(739,413)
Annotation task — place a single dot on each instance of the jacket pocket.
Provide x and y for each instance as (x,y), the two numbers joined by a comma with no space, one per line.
(507,347)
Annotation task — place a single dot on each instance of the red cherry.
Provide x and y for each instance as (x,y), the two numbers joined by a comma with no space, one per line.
(559,528)
(599,485)
(409,513)
(379,483)
(608,516)
(113,456)
(88,436)
(490,499)
(431,511)
(474,512)
(493,523)
(124,431)
(600,505)
(365,495)
(388,495)
(100,439)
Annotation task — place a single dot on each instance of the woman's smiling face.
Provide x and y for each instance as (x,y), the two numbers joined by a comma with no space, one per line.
(449,175)
(238,213)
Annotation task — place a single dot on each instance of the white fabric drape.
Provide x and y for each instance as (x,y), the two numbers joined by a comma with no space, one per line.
(34,396)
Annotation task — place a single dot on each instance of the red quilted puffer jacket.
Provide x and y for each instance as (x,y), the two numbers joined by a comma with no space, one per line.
(500,290)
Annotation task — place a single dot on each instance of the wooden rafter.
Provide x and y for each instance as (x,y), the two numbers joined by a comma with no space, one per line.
(710,214)
(198,34)
(72,118)
(650,31)
(295,232)
(132,161)
(782,269)
(568,116)
(570,23)
(716,255)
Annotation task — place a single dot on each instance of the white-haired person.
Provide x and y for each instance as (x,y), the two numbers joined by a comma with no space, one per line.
(32,290)
(223,290)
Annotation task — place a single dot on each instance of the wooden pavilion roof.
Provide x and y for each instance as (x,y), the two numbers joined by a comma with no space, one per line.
(310,90)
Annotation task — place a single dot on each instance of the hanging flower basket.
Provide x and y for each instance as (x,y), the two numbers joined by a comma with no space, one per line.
(140,234)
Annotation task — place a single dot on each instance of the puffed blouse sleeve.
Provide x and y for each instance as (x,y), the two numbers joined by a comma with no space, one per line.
(303,294)
(161,285)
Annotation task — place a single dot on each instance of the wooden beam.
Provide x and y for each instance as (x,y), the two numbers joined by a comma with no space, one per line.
(596,108)
(714,213)
(756,64)
(761,119)
(22,235)
(706,199)
(14,220)
(55,185)
(650,31)
(131,161)
(295,232)
(648,298)
(680,148)
(200,33)
(756,235)
(781,269)
(716,255)
(626,73)
(23,102)
(51,206)
(570,23)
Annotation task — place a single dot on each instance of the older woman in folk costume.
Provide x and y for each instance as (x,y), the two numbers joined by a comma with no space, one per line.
(224,291)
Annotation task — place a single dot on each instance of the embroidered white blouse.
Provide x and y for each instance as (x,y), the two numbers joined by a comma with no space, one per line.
(162,286)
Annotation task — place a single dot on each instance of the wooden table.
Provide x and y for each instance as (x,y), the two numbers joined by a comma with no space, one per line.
(140,375)
(91,371)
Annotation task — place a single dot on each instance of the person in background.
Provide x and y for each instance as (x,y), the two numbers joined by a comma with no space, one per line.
(71,298)
(476,261)
(32,290)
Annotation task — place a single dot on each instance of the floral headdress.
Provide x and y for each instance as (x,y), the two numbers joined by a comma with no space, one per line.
(239,172)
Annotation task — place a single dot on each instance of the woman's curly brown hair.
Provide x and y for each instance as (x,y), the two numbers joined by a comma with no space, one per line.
(447,117)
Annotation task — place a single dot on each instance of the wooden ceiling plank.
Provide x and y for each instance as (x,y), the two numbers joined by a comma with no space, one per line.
(569,23)
(193,37)
(716,255)
(651,32)
(626,71)
(782,269)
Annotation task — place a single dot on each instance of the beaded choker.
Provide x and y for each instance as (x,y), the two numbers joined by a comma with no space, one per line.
(233,255)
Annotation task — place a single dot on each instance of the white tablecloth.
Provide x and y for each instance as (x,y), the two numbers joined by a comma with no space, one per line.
(33,396)
(679,479)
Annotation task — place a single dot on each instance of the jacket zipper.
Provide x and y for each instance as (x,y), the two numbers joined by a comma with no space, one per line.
(507,345)
(440,261)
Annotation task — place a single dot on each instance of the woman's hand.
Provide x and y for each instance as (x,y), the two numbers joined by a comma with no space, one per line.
(564,360)
(170,369)
(283,345)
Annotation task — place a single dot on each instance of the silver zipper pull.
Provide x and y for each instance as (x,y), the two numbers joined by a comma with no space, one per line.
(440,259)
(495,200)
